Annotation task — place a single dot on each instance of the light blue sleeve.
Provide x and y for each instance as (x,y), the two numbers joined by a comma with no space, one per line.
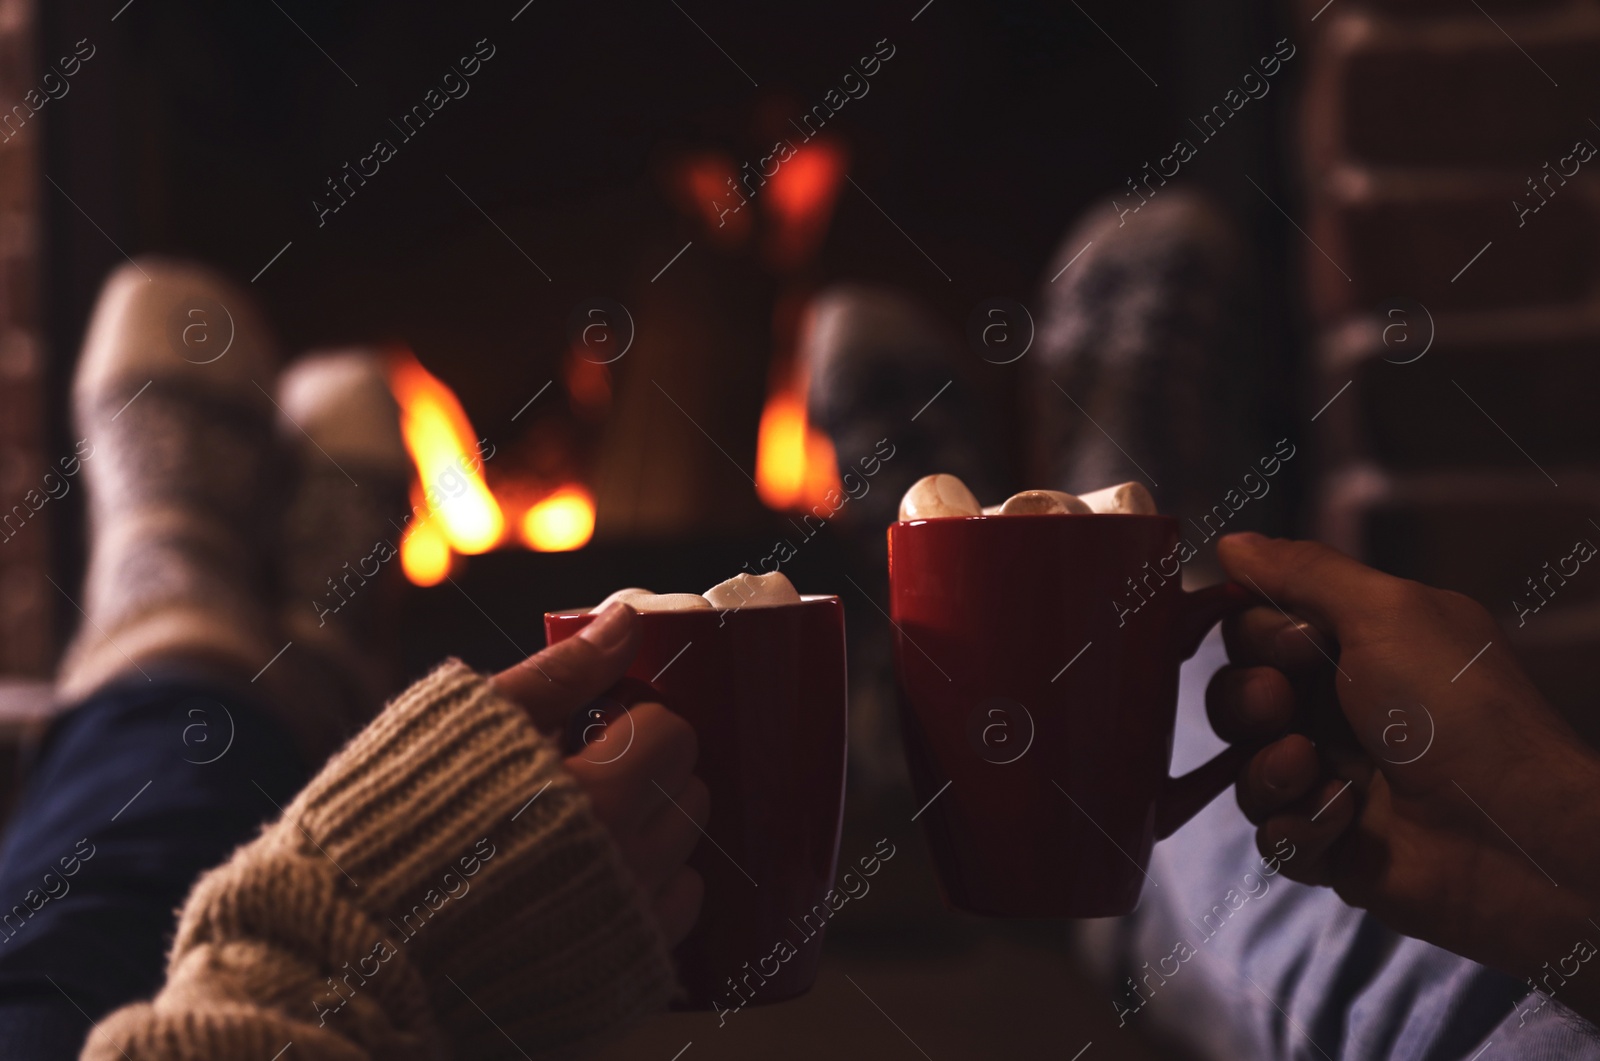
(1237,962)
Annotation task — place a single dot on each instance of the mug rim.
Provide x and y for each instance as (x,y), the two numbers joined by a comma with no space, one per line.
(805,600)
(1029,516)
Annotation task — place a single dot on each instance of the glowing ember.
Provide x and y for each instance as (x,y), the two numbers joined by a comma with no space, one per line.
(801,197)
(794,462)
(807,185)
(703,183)
(443,446)
(588,382)
(562,521)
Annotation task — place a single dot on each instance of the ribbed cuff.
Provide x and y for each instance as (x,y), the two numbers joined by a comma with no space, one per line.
(454,824)
(448,872)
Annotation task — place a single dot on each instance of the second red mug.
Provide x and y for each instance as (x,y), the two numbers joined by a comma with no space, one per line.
(764,689)
(1037,663)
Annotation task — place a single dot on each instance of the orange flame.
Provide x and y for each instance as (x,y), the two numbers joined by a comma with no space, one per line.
(801,197)
(444,448)
(805,188)
(795,466)
(424,551)
(454,510)
(705,188)
(560,522)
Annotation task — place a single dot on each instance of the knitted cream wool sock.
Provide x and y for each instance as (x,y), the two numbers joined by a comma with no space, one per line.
(181,477)
(339,540)
(440,889)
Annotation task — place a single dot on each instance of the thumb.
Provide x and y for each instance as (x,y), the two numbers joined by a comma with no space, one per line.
(1309,579)
(552,684)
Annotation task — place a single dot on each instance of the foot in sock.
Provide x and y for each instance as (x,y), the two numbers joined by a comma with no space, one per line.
(184,483)
(219,506)
(340,537)
(882,366)
(1147,365)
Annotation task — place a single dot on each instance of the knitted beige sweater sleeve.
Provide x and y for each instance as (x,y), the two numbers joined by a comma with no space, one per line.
(439,889)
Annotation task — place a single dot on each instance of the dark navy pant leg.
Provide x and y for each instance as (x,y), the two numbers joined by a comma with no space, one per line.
(135,792)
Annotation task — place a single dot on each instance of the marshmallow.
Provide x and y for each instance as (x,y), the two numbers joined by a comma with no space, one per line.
(1043,503)
(752,591)
(992,510)
(630,595)
(1126,498)
(642,600)
(671,602)
(938,495)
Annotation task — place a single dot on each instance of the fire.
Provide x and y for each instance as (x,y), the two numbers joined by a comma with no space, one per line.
(807,185)
(801,197)
(454,510)
(794,461)
(444,448)
(703,186)
(424,551)
(562,521)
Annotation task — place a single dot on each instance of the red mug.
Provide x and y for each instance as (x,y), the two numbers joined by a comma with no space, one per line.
(1037,664)
(764,689)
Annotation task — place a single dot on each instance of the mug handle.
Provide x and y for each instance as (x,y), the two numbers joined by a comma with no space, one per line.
(1183,797)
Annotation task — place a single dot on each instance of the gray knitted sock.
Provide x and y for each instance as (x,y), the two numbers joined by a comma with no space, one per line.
(171,393)
(1147,365)
(885,378)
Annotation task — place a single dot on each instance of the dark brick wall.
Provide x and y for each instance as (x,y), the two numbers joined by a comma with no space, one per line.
(1475,465)
(26,597)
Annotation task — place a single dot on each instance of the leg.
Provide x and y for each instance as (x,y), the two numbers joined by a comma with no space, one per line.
(203,701)
(1149,366)
(136,791)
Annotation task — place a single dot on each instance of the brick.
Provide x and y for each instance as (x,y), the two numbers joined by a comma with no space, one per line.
(19,356)
(18,191)
(29,547)
(1451,92)
(25,642)
(21,411)
(26,604)
(1482,534)
(21,422)
(20,469)
(1390,234)
(16,226)
(21,292)
(1537,381)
